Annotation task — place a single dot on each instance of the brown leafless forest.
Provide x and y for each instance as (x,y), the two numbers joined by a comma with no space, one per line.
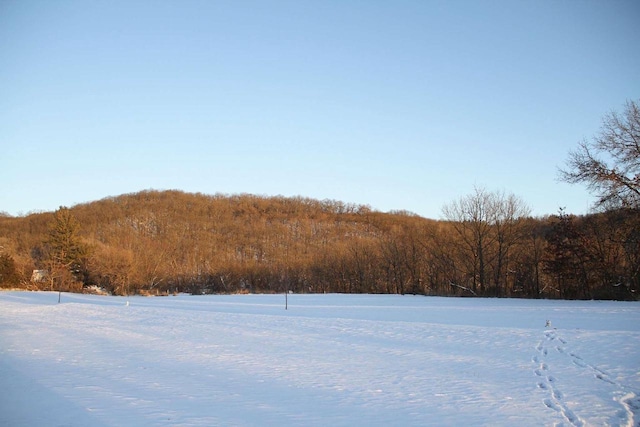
(159,242)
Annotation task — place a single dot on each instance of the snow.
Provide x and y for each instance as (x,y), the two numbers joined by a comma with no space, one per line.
(339,360)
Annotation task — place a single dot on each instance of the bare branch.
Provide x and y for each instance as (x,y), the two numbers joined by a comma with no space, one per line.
(609,164)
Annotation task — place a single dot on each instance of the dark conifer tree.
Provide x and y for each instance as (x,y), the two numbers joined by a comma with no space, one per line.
(65,249)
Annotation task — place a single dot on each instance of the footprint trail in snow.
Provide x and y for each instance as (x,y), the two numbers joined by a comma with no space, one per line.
(629,414)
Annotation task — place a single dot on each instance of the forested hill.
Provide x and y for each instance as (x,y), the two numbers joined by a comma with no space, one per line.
(168,240)
(171,241)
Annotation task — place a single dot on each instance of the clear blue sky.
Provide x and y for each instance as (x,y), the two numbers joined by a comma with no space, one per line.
(393,104)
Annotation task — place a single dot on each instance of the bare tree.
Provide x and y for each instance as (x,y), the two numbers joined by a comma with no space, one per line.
(509,230)
(489,225)
(472,217)
(609,164)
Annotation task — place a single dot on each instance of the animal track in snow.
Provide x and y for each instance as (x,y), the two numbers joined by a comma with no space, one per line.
(551,405)
(631,404)
(577,362)
(555,401)
(541,348)
(605,379)
(629,414)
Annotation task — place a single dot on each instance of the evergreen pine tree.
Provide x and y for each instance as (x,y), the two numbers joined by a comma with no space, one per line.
(66,253)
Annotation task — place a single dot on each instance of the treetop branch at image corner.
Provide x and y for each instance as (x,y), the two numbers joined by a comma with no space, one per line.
(609,163)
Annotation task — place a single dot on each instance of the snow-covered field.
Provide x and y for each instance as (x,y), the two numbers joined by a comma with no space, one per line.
(329,360)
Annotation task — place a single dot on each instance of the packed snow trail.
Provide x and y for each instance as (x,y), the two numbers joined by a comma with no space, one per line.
(328,360)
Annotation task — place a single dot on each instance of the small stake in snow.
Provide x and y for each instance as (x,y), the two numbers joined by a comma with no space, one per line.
(286,300)
(59,294)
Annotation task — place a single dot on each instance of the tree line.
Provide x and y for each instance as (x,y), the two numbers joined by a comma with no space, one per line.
(161,242)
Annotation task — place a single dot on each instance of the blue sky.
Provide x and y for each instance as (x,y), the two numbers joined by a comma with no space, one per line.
(395,104)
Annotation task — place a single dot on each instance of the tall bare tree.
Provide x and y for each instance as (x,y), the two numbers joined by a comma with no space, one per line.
(472,217)
(488,225)
(509,210)
(609,164)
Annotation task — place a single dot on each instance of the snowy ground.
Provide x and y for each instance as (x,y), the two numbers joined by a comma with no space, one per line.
(339,360)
